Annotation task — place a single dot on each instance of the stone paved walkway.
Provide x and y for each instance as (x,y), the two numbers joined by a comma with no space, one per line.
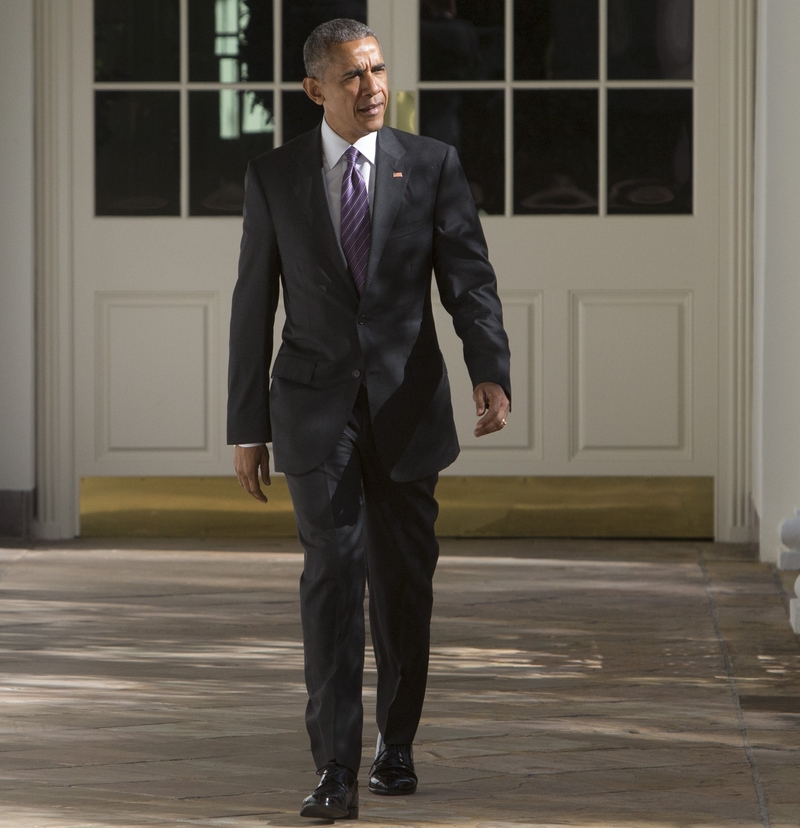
(578,683)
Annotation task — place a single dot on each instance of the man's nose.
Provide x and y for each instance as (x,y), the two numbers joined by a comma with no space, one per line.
(369,84)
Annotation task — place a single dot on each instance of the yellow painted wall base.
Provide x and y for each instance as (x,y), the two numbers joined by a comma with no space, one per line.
(580,507)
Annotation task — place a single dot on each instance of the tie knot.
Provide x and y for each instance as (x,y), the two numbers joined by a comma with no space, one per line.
(351,153)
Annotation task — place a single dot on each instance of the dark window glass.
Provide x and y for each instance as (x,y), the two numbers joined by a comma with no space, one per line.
(227,128)
(299,18)
(230,40)
(555,151)
(462,40)
(137,154)
(300,114)
(473,122)
(649,150)
(136,40)
(556,39)
(650,39)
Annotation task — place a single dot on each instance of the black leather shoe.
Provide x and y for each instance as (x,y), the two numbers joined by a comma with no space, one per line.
(392,772)
(336,796)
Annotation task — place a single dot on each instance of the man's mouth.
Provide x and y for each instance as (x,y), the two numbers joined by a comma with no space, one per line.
(372,109)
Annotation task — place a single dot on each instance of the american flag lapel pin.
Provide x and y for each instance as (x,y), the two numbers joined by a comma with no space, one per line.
(397,174)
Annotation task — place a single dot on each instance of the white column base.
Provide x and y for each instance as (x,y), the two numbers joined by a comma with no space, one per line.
(794,614)
(789,559)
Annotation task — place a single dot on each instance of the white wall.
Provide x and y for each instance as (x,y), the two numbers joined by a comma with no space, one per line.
(17,459)
(776,450)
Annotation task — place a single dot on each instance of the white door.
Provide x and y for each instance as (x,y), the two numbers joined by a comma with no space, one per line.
(588,129)
(590,137)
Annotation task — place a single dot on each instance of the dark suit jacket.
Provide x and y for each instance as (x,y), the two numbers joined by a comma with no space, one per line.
(423,220)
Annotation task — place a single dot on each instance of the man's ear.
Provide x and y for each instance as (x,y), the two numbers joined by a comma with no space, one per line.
(313,89)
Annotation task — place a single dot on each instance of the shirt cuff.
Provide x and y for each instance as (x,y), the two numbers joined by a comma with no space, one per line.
(250,445)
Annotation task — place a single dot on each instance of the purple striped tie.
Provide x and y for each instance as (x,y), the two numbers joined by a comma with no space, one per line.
(355,230)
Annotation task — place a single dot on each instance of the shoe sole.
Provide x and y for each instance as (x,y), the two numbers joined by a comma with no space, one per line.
(321,812)
(381,792)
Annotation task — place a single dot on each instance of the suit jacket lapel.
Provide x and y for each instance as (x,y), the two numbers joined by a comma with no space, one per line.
(389,190)
(309,187)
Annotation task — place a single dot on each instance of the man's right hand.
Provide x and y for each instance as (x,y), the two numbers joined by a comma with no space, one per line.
(246,463)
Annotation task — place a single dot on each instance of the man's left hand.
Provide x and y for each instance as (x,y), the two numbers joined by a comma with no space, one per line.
(492,406)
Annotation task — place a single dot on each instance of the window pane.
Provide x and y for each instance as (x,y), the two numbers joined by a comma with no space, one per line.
(137,154)
(473,123)
(649,150)
(650,39)
(555,151)
(299,19)
(230,40)
(300,114)
(136,40)
(556,39)
(462,40)
(227,129)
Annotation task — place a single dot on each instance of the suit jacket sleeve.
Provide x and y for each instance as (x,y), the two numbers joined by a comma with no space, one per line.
(466,279)
(255,299)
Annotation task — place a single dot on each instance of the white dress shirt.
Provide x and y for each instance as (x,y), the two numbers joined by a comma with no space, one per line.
(333,166)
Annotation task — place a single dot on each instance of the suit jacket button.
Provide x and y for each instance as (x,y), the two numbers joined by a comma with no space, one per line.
(362,319)
(356,373)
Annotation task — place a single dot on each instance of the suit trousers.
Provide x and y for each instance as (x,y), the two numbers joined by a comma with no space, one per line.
(358,526)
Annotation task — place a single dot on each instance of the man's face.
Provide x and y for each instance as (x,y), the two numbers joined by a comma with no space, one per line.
(354,90)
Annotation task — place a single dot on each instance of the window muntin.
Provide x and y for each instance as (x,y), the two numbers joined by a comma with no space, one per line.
(555,106)
(597,101)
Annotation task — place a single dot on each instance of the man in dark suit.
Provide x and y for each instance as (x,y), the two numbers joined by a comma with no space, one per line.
(351,219)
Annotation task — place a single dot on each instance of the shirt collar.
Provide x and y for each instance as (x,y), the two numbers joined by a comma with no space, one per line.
(334,146)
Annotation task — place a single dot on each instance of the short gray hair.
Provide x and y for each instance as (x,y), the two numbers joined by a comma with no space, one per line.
(316,52)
